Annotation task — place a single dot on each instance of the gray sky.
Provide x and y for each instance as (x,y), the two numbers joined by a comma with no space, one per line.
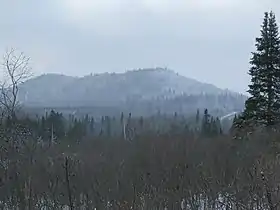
(209,40)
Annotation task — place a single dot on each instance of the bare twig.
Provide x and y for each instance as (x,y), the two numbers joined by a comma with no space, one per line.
(16,71)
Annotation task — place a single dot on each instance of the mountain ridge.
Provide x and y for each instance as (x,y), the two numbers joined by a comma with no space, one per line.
(129,89)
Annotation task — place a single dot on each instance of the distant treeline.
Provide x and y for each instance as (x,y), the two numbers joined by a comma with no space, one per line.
(54,125)
(217,105)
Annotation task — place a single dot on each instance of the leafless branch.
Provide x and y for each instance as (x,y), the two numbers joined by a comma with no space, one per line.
(16,71)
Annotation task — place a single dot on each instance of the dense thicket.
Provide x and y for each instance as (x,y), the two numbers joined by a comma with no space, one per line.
(150,172)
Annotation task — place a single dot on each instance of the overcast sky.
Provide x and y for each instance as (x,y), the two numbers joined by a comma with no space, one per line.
(209,40)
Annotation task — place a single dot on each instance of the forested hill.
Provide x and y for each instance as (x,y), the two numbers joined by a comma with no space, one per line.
(143,91)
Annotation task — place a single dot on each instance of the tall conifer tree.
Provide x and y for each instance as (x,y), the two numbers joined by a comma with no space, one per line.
(263,106)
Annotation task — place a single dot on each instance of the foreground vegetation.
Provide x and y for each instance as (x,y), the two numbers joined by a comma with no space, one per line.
(151,172)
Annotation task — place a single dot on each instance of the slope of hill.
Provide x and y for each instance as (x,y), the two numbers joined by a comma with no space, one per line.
(128,91)
(104,89)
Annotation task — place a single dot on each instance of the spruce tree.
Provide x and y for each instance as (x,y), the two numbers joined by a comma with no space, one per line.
(205,127)
(263,106)
(197,116)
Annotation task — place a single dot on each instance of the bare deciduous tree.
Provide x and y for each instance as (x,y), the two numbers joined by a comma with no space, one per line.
(16,70)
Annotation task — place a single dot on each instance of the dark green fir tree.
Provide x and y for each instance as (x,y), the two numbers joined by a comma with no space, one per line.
(263,106)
